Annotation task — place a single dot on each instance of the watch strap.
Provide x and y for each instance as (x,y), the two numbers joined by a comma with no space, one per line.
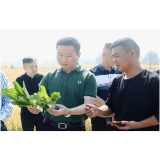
(69,114)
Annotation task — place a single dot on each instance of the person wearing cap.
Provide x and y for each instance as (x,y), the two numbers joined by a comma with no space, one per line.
(6,106)
(133,96)
(104,72)
(76,85)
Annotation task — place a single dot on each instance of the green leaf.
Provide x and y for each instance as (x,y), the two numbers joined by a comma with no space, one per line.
(12,91)
(43,91)
(18,88)
(47,99)
(16,103)
(52,105)
(55,96)
(21,106)
(39,96)
(8,93)
(33,97)
(30,106)
(25,90)
(33,102)
(23,100)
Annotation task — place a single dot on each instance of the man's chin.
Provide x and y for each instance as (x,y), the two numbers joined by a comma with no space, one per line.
(33,74)
(120,69)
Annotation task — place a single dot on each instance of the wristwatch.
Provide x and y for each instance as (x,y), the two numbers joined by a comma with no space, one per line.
(69,114)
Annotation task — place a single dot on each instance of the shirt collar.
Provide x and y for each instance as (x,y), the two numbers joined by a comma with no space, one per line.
(103,69)
(78,68)
(35,76)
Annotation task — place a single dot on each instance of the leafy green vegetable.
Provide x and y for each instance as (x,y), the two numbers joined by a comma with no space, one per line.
(18,88)
(9,93)
(25,90)
(55,96)
(21,97)
(43,100)
(43,91)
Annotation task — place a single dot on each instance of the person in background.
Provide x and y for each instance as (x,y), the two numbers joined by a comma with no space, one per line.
(32,80)
(134,95)
(76,85)
(6,108)
(104,72)
(157,71)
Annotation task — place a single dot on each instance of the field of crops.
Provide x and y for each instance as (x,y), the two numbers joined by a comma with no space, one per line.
(14,122)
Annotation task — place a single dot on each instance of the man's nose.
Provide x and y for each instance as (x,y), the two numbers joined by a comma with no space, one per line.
(114,60)
(64,59)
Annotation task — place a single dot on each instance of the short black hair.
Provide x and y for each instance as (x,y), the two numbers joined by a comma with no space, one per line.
(127,43)
(69,41)
(107,46)
(28,60)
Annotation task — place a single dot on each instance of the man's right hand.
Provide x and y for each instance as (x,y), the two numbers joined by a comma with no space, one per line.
(92,110)
(34,110)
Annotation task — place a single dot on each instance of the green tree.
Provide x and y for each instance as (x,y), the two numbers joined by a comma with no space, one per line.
(12,66)
(6,65)
(151,56)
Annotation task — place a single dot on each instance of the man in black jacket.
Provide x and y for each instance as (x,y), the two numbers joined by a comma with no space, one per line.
(32,80)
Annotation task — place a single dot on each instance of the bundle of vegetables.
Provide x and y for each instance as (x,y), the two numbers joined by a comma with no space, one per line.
(21,97)
(43,100)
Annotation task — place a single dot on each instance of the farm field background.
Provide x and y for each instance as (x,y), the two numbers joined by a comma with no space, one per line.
(14,122)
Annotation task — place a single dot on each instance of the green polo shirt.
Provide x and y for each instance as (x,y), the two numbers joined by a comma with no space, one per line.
(73,88)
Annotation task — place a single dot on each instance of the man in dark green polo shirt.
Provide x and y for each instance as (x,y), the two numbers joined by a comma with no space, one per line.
(76,85)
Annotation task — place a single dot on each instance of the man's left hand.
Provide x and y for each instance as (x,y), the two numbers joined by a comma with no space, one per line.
(62,110)
(128,125)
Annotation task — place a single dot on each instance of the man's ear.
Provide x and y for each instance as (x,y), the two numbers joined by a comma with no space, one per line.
(24,68)
(79,55)
(132,52)
(103,54)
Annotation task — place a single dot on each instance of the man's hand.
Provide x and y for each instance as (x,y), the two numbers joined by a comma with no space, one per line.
(128,125)
(34,110)
(62,110)
(91,110)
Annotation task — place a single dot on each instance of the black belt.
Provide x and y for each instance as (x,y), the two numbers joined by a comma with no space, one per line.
(64,125)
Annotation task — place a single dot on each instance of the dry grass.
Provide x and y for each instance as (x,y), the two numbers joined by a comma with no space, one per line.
(14,122)
(153,66)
